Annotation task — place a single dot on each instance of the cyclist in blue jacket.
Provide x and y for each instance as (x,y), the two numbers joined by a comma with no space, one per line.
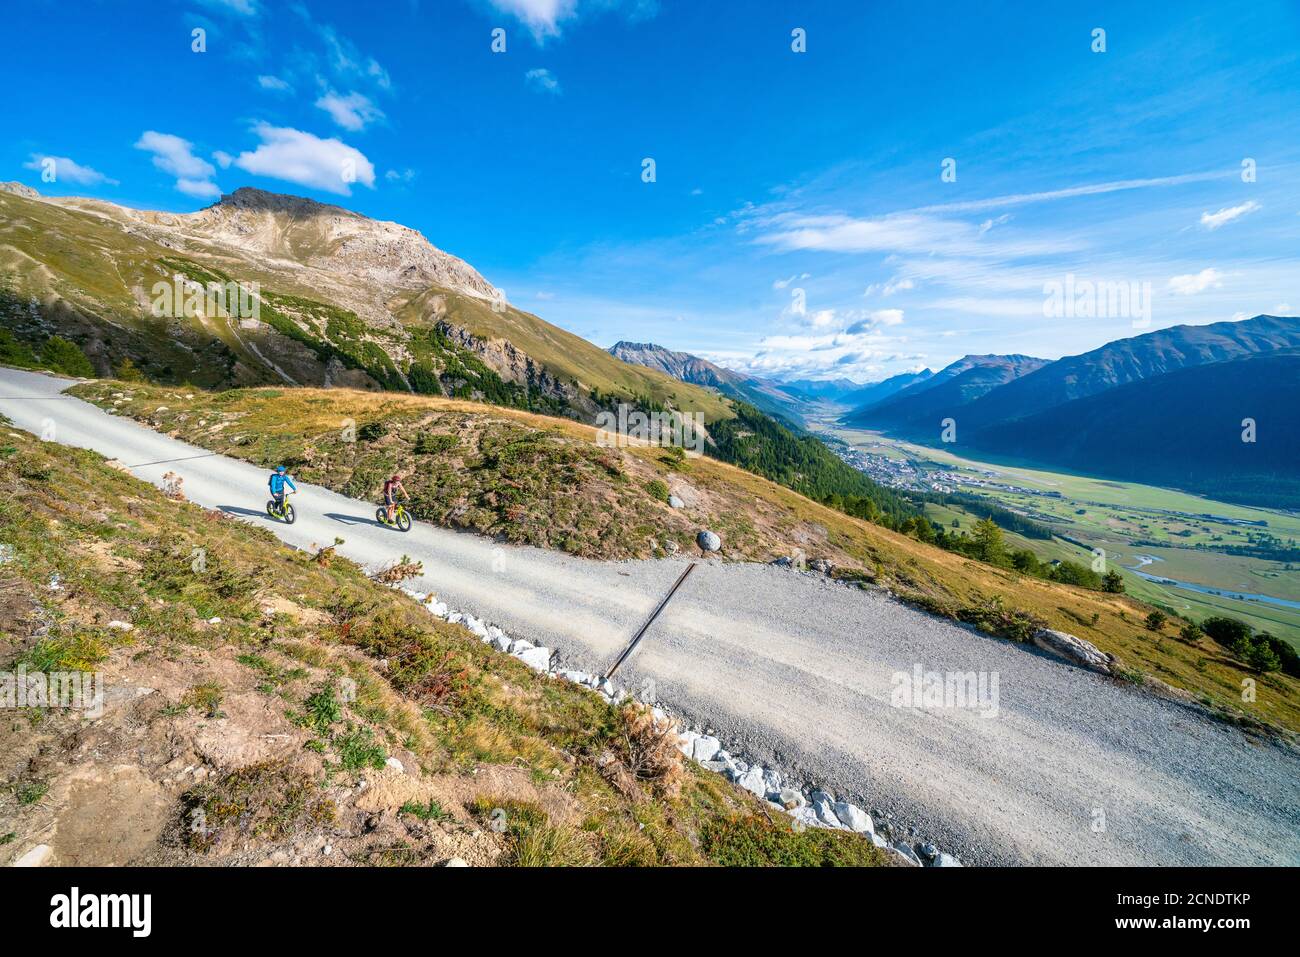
(279,479)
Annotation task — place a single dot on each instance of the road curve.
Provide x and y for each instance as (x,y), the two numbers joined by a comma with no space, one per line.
(797,672)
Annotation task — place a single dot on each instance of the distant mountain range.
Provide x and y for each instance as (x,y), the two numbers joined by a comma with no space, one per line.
(763,394)
(1165,407)
(919,407)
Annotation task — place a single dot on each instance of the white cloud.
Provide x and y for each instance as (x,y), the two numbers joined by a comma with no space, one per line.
(1193,283)
(896,284)
(274,83)
(67,170)
(1070,192)
(783,283)
(541,17)
(223,158)
(896,232)
(347,61)
(543,80)
(245,8)
(325,164)
(175,157)
(997,221)
(352,112)
(199,188)
(1228,214)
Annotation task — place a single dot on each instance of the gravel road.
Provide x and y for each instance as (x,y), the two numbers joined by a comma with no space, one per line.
(796,671)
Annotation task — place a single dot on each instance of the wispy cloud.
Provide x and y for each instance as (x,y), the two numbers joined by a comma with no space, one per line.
(353,112)
(1072,192)
(274,83)
(543,80)
(1193,283)
(1228,214)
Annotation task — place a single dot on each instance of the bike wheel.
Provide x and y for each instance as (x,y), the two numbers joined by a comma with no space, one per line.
(289,514)
(381,515)
(270,508)
(404,520)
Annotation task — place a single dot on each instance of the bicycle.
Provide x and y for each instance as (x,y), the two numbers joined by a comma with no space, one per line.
(401,517)
(283,513)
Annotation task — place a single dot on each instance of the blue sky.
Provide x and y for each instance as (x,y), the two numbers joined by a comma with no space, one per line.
(798,223)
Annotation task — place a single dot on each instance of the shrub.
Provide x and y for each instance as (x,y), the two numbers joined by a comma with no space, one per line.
(62,355)
(1155,621)
(658,490)
(434,443)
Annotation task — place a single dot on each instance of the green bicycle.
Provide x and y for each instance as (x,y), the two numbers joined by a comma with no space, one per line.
(401,518)
(284,513)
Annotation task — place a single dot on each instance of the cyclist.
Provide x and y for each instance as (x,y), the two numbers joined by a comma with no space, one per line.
(279,479)
(393,485)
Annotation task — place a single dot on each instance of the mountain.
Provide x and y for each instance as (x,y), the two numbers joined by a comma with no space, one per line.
(919,408)
(342,299)
(1182,429)
(768,396)
(261,289)
(1130,360)
(879,391)
(822,390)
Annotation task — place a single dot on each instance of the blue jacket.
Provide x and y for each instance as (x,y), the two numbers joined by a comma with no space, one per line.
(278,482)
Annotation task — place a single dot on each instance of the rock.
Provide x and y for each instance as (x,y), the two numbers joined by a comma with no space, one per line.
(686,742)
(476,626)
(120,625)
(606,688)
(752,781)
(945,860)
(671,547)
(36,857)
(675,502)
(927,851)
(708,541)
(495,633)
(706,748)
(539,659)
(717,767)
(790,799)
(1075,650)
(826,815)
(773,781)
(785,561)
(456,862)
(502,644)
(821,565)
(854,818)
(396,765)
(577,677)
(519,645)
(906,853)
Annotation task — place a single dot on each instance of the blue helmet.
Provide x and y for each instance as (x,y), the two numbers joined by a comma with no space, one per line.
(281,469)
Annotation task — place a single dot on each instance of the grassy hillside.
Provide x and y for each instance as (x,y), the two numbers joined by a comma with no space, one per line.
(253,706)
(554,486)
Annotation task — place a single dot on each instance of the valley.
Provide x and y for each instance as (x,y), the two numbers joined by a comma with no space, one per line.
(1128,520)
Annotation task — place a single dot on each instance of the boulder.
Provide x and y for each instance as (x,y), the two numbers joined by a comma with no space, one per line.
(1073,649)
(752,781)
(675,502)
(945,860)
(706,748)
(539,659)
(708,541)
(686,742)
(905,852)
(853,817)
(790,799)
